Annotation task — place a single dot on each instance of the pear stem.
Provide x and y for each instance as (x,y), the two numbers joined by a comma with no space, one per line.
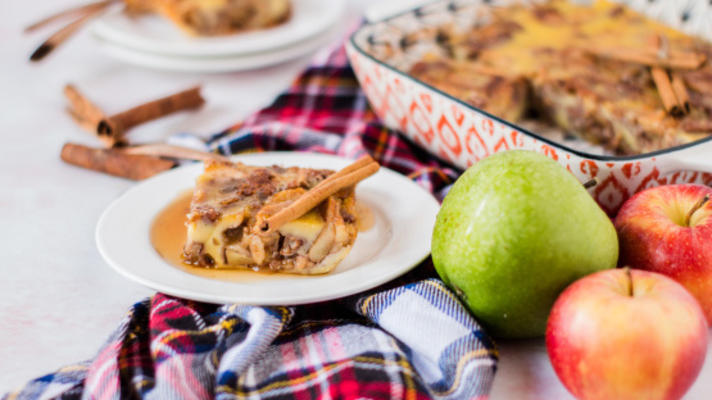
(630,281)
(590,183)
(696,207)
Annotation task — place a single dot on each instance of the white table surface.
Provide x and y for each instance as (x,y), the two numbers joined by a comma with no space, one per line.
(58,299)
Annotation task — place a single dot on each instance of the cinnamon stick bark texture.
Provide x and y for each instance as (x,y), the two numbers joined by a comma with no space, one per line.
(678,86)
(82,110)
(63,34)
(348,176)
(114,161)
(675,60)
(114,127)
(667,94)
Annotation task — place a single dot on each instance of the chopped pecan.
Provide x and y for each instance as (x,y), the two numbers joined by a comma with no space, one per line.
(290,245)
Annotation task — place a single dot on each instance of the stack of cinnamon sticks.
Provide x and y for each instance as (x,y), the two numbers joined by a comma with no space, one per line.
(664,64)
(673,93)
(117,157)
(345,177)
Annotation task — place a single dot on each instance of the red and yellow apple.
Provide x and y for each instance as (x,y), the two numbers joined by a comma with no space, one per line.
(626,334)
(668,229)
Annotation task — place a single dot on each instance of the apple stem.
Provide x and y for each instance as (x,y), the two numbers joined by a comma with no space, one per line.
(630,281)
(696,207)
(590,183)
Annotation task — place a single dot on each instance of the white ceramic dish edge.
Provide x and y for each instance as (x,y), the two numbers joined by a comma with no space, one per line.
(461,134)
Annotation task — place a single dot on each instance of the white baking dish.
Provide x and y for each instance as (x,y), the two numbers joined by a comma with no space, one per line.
(462,134)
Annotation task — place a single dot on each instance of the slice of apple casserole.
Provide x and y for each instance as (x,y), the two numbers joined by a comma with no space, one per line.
(244,217)
(216,17)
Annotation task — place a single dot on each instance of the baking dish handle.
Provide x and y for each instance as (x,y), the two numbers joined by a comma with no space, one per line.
(693,158)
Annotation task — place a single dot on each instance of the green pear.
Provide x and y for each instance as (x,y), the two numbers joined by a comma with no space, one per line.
(515,229)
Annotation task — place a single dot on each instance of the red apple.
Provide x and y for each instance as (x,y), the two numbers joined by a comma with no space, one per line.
(668,229)
(626,334)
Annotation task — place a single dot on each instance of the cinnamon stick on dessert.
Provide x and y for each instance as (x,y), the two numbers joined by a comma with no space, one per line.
(673,94)
(683,98)
(667,94)
(113,128)
(348,176)
(675,60)
(114,161)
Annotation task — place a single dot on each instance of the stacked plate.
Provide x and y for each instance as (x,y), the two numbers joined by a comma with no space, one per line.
(152,41)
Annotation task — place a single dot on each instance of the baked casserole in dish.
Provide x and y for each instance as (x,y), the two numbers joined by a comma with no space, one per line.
(610,92)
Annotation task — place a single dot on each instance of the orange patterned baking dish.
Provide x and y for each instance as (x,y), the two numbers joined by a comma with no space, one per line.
(476,109)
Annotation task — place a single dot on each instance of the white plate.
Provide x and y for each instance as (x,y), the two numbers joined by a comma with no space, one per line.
(154,34)
(399,240)
(214,64)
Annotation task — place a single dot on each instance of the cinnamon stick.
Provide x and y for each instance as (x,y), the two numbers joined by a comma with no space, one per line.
(171,151)
(84,112)
(346,177)
(114,127)
(62,35)
(358,164)
(114,161)
(668,91)
(675,60)
(667,94)
(680,90)
(660,45)
(79,11)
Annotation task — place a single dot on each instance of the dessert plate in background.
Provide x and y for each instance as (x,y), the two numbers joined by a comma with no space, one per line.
(153,34)
(404,216)
(215,64)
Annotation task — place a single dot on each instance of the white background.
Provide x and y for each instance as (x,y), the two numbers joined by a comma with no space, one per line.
(58,300)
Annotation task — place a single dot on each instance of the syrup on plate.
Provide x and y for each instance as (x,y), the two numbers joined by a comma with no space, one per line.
(168,233)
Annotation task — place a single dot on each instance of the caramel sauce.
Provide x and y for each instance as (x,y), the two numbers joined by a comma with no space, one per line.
(364,217)
(168,231)
(168,234)
(585,25)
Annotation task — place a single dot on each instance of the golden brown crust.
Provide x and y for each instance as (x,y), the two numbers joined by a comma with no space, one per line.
(216,17)
(603,100)
(229,202)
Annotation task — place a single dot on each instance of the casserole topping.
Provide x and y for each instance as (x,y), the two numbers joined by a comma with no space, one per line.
(601,72)
(216,17)
(231,202)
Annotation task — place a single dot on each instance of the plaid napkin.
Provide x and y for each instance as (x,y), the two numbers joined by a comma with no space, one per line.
(408,339)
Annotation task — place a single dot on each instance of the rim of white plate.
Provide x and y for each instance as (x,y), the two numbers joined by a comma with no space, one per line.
(122,237)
